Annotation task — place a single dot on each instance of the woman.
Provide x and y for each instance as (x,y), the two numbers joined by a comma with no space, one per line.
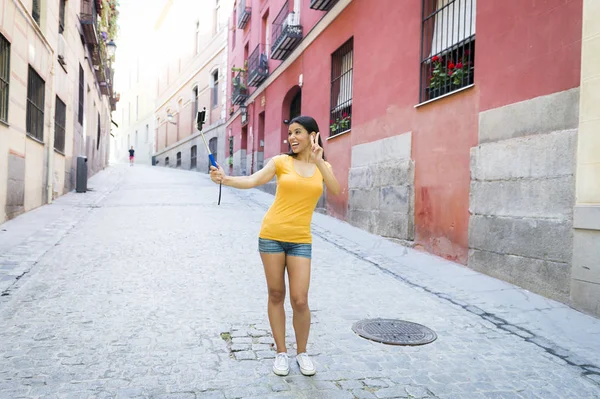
(285,238)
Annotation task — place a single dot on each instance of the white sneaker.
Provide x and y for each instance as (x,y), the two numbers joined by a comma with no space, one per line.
(306,365)
(282,364)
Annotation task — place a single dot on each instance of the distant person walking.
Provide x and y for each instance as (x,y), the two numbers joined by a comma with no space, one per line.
(131,152)
(285,239)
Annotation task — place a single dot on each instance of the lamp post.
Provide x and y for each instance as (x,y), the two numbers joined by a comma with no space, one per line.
(111,47)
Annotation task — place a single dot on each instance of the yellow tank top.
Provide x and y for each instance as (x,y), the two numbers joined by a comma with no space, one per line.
(289,217)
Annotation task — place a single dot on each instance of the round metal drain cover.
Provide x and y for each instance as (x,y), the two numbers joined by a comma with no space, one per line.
(394,332)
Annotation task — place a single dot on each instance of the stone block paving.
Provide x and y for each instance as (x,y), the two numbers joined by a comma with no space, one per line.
(157,292)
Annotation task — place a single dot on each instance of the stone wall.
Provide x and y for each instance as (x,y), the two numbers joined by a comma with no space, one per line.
(522,193)
(15,200)
(381,188)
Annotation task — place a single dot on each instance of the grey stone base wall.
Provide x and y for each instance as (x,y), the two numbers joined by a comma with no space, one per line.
(585,275)
(239,163)
(15,190)
(381,188)
(522,194)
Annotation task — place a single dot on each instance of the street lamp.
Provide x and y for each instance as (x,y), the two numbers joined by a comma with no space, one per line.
(170,119)
(111,47)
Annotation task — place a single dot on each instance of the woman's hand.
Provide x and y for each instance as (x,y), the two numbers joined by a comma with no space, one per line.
(217,175)
(317,151)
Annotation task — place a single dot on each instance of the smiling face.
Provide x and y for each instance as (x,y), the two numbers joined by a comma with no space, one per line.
(299,138)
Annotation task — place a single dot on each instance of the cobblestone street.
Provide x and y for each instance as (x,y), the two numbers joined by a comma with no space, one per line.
(146,288)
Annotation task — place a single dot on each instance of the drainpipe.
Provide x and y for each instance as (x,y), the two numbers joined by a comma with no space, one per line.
(50,142)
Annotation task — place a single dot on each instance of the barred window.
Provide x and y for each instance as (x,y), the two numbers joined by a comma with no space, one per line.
(35,105)
(215,91)
(4,77)
(81,91)
(341,89)
(194,105)
(178,159)
(60,121)
(35,11)
(61,16)
(167,161)
(447,47)
(99,134)
(212,145)
(193,157)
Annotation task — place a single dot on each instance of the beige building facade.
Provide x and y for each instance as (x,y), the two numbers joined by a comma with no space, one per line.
(55,98)
(192,76)
(585,278)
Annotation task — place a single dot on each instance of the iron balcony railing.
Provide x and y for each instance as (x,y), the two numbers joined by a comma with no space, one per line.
(322,5)
(287,33)
(243,14)
(240,89)
(89,21)
(258,66)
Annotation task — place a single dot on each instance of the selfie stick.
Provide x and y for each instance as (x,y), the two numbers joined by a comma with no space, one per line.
(200,117)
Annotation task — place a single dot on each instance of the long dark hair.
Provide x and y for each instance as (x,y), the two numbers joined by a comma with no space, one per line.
(310,124)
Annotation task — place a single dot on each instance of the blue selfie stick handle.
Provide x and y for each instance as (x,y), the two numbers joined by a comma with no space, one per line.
(212,160)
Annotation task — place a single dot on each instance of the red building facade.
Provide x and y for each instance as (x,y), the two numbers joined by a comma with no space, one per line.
(408,96)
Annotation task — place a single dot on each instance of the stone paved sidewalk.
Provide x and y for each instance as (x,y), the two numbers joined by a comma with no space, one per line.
(148,289)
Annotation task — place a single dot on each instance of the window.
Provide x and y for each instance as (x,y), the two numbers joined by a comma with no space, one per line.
(341,89)
(193,155)
(212,145)
(35,11)
(178,159)
(61,16)
(197,37)
(215,91)
(4,77)
(81,88)
(60,121)
(234,30)
(147,134)
(194,105)
(167,161)
(36,88)
(217,21)
(98,133)
(447,46)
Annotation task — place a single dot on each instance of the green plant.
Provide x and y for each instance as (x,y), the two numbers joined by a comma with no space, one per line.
(343,122)
(442,72)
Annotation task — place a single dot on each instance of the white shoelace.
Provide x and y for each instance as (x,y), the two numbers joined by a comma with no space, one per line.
(281,360)
(305,360)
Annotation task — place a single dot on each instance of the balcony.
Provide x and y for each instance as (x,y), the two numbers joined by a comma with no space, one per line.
(89,22)
(243,14)
(322,5)
(287,33)
(258,66)
(240,89)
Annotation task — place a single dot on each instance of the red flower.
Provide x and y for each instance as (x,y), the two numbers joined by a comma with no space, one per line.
(345,114)
(435,58)
(459,65)
(451,65)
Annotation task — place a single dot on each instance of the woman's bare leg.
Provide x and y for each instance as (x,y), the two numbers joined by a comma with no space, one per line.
(274,265)
(299,276)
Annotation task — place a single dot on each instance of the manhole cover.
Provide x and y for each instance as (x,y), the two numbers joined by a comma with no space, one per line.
(394,332)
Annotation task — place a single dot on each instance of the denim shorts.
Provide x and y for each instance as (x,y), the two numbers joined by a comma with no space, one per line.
(289,248)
